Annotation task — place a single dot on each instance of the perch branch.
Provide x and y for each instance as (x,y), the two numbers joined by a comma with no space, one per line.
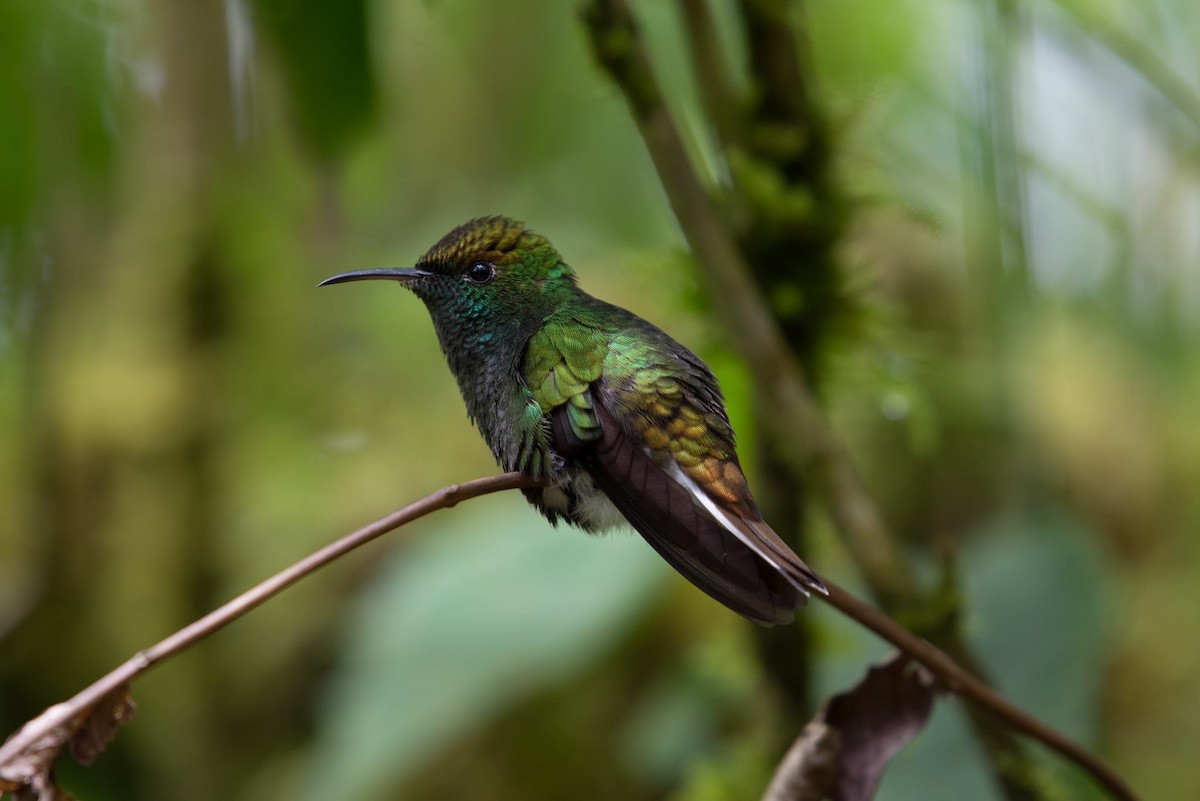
(34,733)
(954,677)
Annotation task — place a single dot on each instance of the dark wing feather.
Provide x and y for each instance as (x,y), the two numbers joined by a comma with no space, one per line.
(689,538)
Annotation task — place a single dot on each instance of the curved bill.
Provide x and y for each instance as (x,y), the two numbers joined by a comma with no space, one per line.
(393,274)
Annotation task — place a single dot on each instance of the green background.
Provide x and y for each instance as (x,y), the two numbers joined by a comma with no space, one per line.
(182,412)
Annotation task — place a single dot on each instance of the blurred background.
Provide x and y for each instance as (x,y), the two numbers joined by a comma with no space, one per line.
(182,412)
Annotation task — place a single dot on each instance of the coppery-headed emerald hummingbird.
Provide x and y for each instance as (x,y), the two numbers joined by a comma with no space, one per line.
(619,419)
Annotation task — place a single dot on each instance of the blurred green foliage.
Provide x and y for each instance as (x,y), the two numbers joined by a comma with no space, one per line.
(419,672)
(331,104)
(182,412)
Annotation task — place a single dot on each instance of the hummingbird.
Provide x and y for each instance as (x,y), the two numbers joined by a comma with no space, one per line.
(620,422)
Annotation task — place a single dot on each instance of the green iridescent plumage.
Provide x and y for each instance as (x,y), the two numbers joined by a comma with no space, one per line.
(620,420)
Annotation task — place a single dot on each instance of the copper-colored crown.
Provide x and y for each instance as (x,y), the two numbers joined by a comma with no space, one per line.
(494,239)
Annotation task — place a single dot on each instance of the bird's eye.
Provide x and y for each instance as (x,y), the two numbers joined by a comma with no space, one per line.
(481,272)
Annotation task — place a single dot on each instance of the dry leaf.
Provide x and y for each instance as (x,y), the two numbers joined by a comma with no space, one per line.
(29,773)
(99,728)
(842,753)
(809,771)
(43,788)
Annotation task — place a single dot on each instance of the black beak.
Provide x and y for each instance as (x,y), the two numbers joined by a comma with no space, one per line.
(403,274)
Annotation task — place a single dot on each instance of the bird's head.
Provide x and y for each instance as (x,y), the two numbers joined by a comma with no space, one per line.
(489,267)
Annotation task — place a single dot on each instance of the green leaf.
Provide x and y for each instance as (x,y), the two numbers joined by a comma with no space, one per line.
(473,618)
(1042,618)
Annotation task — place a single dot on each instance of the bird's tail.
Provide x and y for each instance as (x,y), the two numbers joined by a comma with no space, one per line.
(740,562)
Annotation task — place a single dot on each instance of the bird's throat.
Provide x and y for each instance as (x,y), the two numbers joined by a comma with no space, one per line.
(484,352)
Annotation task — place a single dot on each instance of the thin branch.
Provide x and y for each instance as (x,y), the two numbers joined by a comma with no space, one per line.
(802,436)
(961,682)
(34,733)
(1144,60)
(713,75)
(954,677)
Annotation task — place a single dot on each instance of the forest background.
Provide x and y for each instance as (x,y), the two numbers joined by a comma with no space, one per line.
(1004,342)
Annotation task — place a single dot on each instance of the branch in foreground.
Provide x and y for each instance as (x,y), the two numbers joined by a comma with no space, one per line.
(27,757)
